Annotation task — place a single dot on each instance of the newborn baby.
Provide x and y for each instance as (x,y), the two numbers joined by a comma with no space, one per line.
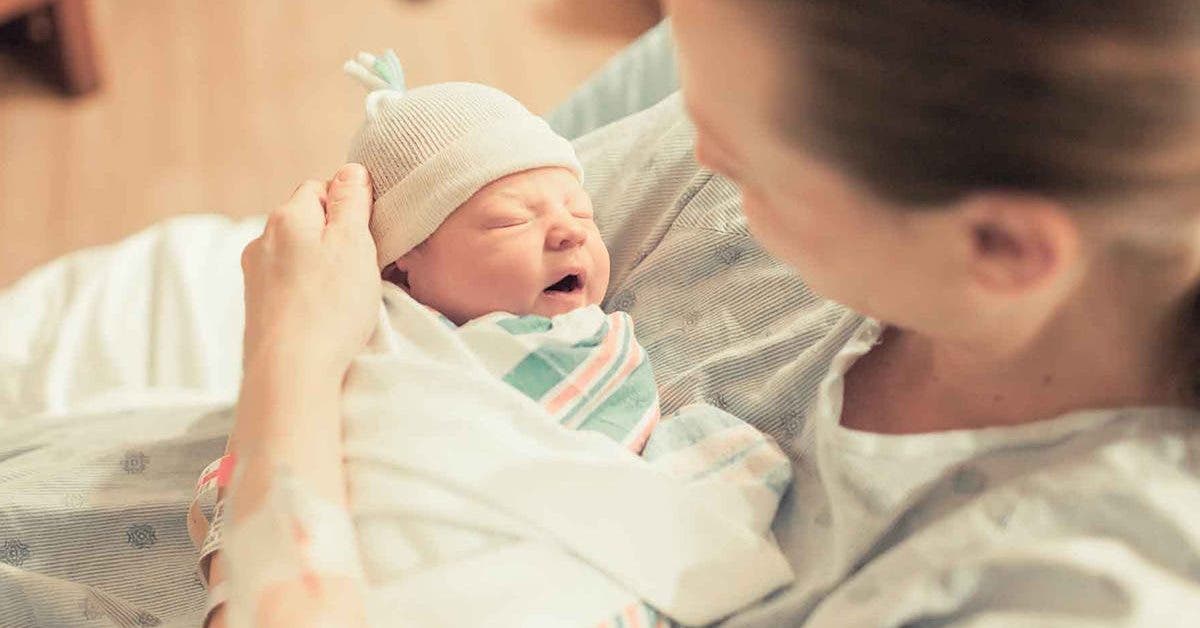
(491,425)
(480,214)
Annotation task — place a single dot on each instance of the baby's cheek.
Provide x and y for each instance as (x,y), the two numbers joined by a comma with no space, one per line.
(602,269)
(514,285)
(598,288)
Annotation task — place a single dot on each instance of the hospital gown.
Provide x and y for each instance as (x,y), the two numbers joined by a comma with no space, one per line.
(1086,520)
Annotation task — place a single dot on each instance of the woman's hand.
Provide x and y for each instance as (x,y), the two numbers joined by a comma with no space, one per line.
(312,284)
(312,296)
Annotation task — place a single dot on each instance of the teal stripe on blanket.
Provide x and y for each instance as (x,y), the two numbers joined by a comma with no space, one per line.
(537,373)
(548,365)
(777,479)
(701,421)
(691,425)
(529,324)
(620,413)
(626,344)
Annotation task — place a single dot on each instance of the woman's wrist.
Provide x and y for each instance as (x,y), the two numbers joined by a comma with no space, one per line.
(289,416)
(284,354)
(287,396)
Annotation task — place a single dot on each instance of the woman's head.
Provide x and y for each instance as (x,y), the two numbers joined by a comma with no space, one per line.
(1059,142)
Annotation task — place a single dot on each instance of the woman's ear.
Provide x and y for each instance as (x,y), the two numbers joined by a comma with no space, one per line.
(1019,243)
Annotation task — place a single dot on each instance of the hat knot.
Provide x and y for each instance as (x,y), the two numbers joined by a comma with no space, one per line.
(382,72)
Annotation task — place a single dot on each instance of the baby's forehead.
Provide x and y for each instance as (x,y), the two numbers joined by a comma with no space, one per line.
(532,188)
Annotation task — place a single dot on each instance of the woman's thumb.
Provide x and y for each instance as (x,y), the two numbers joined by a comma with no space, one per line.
(349,201)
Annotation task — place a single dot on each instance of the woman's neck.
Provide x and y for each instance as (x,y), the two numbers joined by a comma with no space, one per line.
(1111,345)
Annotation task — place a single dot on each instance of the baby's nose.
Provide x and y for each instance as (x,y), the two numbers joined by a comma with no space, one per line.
(566,235)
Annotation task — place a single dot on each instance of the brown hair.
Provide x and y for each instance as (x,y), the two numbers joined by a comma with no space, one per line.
(926,101)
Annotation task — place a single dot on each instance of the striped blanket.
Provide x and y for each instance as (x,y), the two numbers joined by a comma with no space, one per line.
(474,506)
(588,371)
(585,368)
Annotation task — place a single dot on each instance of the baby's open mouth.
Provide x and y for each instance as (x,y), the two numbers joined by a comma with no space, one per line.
(570,283)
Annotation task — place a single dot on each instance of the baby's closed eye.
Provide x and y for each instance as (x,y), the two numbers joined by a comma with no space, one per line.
(504,216)
(503,222)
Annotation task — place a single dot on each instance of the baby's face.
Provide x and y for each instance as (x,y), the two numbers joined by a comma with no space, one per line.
(524,244)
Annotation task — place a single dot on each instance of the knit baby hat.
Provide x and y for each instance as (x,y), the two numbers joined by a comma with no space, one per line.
(431,148)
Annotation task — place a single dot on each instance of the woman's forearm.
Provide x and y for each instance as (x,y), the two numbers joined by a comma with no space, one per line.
(312,297)
(289,416)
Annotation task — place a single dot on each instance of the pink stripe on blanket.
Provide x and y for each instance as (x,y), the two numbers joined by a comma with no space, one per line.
(573,386)
(633,359)
(641,432)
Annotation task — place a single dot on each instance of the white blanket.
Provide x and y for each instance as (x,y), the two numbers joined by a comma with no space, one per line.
(155,317)
(474,507)
(154,321)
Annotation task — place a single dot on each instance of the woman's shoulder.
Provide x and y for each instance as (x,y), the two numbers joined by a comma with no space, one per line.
(1144,453)
(1093,525)
(1126,474)
(1135,478)
(1090,523)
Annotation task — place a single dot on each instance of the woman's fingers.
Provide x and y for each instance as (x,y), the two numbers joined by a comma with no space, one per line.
(342,204)
(349,205)
(250,253)
(308,188)
(303,215)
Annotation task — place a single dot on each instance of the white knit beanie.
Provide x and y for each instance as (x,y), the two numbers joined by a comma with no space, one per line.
(431,148)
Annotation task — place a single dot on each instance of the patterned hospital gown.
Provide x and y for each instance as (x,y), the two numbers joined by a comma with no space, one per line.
(1084,520)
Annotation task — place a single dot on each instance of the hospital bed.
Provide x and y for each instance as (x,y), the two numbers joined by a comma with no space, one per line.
(118,365)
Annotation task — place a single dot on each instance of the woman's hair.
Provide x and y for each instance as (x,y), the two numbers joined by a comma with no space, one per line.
(926,101)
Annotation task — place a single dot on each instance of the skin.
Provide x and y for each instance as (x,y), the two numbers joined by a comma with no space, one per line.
(1003,308)
(502,249)
(312,289)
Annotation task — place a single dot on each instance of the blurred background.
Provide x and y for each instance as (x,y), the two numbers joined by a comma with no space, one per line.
(117,113)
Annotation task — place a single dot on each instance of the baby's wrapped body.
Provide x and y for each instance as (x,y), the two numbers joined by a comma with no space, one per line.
(493,481)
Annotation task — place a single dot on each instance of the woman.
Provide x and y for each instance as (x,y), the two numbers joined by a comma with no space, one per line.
(1007,191)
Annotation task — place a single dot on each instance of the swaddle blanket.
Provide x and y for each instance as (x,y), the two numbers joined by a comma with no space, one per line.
(474,506)
(585,368)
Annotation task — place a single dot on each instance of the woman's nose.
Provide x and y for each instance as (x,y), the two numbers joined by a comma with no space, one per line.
(567,234)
